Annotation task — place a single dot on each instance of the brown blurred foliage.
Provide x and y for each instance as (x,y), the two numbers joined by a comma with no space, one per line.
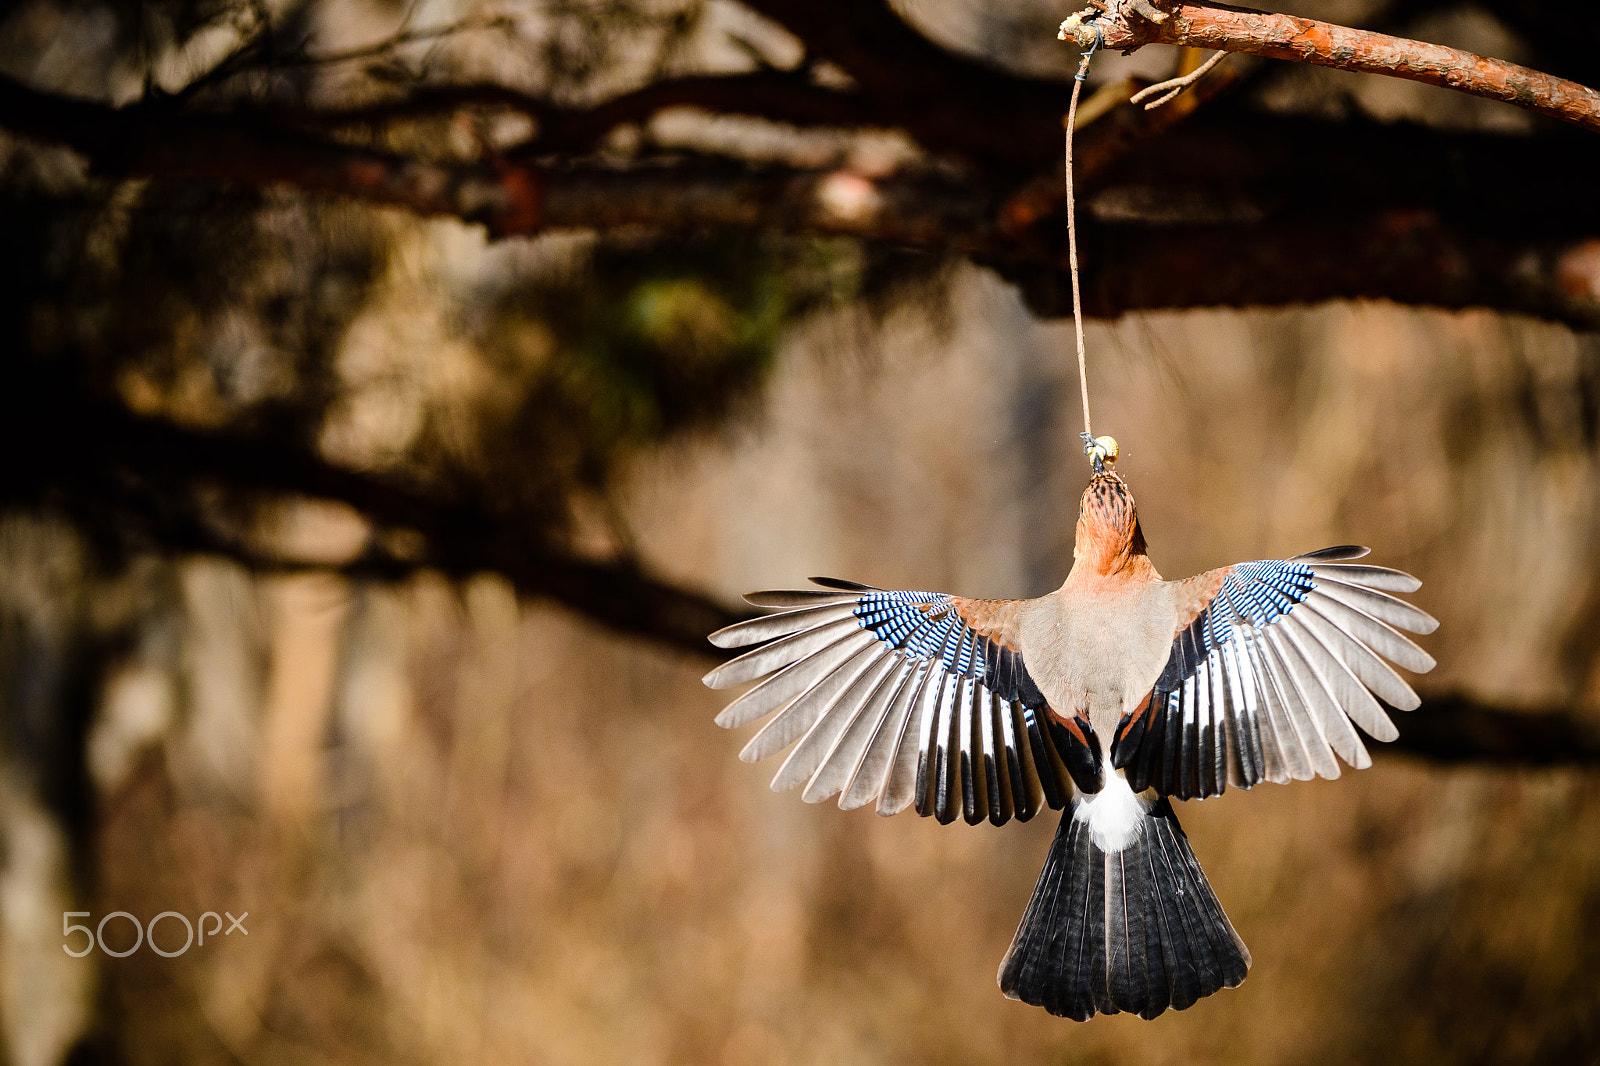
(265,645)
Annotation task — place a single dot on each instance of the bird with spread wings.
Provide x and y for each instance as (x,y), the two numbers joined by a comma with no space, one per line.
(1105,699)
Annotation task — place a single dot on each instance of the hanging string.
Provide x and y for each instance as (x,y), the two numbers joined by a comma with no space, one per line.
(1072,233)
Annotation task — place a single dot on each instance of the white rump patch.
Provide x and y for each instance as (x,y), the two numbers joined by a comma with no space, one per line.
(1114,815)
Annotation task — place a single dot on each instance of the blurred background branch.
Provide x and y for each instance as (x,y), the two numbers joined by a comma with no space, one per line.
(1415,229)
(155,489)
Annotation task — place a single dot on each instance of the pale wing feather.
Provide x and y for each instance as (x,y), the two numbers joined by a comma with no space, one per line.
(1380,605)
(1358,652)
(1302,690)
(1297,710)
(844,756)
(1306,662)
(795,720)
(775,656)
(831,721)
(795,598)
(1376,633)
(905,773)
(869,776)
(773,626)
(888,696)
(792,680)
(1335,650)
(1296,763)
(1375,577)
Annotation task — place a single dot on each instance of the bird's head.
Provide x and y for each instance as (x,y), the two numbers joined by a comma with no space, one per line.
(1108,538)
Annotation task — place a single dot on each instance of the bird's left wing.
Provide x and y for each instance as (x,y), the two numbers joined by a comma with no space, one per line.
(898,698)
(1268,678)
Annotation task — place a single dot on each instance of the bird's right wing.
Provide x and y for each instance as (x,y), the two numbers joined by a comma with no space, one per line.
(901,698)
(1270,676)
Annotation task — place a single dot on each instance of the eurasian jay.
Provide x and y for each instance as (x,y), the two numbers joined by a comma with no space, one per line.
(1109,697)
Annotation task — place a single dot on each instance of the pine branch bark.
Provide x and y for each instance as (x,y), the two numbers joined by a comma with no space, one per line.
(1131,24)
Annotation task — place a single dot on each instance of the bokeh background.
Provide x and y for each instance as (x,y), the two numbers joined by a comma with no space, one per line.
(470,825)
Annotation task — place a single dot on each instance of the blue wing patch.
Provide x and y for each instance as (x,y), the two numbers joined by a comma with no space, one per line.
(926,625)
(1262,591)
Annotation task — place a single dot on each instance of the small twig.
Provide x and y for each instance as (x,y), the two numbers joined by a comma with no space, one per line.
(781,96)
(398,41)
(1170,88)
(256,54)
(1234,29)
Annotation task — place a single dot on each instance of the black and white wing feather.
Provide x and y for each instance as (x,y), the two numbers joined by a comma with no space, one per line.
(1273,675)
(897,698)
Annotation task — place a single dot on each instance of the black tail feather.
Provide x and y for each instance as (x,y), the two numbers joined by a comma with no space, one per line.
(1136,930)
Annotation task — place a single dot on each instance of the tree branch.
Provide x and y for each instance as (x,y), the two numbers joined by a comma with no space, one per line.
(992,118)
(127,476)
(1407,256)
(1559,34)
(1225,218)
(780,96)
(151,139)
(461,541)
(1202,24)
(1458,729)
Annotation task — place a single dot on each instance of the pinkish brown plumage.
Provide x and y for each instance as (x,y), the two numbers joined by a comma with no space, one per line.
(1107,697)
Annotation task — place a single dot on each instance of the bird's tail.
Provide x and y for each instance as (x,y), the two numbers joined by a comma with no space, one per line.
(1122,918)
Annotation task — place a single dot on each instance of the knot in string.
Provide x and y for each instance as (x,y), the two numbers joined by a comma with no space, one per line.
(1099,42)
(1102,451)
